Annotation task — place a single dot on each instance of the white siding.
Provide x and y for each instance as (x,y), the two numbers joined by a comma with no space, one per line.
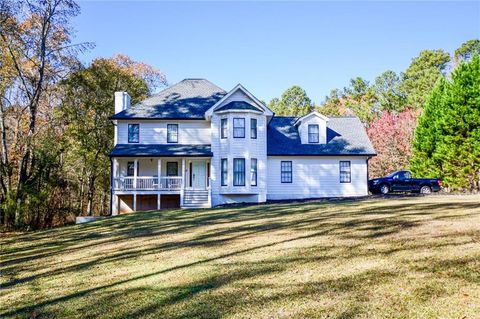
(246,148)
(237,96)
(155,132)
(316,177)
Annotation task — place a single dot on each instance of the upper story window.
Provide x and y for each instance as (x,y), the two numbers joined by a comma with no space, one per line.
(224,176)
(253,171)
(313,133)
(253,128)
(133,133)
(286,171)
(345,172)
(224,128)
(238,172)
(239,127)
(172,133)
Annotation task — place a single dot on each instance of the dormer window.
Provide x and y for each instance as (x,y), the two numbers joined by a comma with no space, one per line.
(172,133)
(133,133)
(313,133)
(239,128)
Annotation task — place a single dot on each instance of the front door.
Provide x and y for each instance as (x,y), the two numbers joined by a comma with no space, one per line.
(199,175)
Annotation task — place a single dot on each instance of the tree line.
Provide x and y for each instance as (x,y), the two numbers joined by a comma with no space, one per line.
(56,133)
(429,92)
(54,115)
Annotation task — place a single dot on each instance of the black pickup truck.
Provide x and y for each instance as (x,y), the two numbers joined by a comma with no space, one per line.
(402,181)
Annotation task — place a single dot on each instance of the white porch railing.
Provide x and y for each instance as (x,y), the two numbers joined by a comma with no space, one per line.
(148,183)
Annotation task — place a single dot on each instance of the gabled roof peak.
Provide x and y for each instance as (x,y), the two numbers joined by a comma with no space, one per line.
(313,113)
(249,95)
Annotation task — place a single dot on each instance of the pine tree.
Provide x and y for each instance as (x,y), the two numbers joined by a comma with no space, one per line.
(447,138)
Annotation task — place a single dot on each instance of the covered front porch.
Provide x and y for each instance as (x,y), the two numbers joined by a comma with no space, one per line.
(147,183)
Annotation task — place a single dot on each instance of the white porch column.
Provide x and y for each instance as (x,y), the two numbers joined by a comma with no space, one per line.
(115,175)
(159,174)
(134,202)
(135,169)
(183,182)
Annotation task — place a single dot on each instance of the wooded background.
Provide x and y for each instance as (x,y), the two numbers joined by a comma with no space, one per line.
(56,135)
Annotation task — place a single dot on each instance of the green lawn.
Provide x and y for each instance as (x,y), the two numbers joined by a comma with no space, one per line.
(412,257)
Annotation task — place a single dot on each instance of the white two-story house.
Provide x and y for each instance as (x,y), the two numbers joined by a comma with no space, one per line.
(196,145)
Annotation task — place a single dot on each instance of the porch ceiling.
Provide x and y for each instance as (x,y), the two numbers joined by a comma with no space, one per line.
(161,150)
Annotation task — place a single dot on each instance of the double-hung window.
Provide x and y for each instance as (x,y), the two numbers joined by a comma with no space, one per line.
(224,176)
(224,128)
(286,171)
(253,172)
(239,128)
(345,172)
(313,135)
(172,133)
(133,133)
(238,172)
(253,128)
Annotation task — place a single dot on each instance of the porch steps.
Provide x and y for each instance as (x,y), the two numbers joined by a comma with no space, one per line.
(195,199)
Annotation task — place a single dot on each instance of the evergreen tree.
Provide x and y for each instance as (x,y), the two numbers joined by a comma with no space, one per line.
(467,50)
(389,94)
(421,76)
(447,139)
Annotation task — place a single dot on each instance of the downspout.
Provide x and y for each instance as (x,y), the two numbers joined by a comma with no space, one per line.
(368,175)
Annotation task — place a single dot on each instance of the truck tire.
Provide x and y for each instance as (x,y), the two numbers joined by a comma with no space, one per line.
(384,189)
(425,190)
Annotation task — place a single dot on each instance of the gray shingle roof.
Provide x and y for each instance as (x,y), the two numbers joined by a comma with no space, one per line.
(238,105)
(168,150)
(188,99)
(345,136)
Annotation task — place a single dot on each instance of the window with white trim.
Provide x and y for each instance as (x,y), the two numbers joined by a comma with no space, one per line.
(238,172)
(131,168)
(253,172)
(345,172)
(224,176)
(223,128)
(253,128)
(133,133)
(286,171)
(172,133)
(239,128)
(313,133)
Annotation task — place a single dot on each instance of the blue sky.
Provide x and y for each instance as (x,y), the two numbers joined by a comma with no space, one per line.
(269,46)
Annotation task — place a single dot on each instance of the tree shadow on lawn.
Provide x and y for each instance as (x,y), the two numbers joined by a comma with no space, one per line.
(328,221)
(164,223)
(240,271)
(230,290)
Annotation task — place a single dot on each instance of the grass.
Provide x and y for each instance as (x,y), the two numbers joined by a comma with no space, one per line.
(413,257)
